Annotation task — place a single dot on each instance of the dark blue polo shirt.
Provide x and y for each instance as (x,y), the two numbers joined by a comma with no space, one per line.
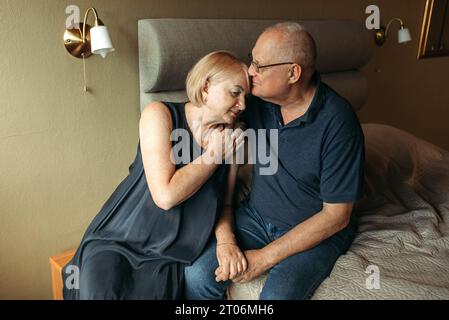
(320,158)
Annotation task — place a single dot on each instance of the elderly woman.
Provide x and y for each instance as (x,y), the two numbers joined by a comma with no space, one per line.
(161,216)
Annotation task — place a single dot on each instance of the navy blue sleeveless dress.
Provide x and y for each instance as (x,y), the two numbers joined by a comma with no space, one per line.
(135,250)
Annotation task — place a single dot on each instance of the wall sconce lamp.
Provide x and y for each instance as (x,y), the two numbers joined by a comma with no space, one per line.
(81,41)
(403,33)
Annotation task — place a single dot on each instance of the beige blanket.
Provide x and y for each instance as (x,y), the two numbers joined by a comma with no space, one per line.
(401,250)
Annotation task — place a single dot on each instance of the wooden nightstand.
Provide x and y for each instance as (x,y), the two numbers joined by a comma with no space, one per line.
(56,263)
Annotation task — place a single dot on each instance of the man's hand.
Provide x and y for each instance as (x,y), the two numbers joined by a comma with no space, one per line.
(231,262)
(257,265)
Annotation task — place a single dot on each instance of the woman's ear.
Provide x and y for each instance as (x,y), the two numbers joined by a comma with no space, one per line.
(205,91)
(206,87)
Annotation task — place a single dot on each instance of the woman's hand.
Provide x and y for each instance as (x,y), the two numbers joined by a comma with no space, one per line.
(231,262)
(223,142)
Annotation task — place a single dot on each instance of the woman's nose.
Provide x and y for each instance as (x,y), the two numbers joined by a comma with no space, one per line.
(241,103)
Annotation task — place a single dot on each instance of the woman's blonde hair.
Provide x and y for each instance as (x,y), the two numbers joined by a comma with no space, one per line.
(216,66)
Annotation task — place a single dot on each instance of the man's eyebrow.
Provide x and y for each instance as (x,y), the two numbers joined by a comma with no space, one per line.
(252,57)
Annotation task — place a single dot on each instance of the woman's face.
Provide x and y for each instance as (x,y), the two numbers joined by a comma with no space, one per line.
(226,99)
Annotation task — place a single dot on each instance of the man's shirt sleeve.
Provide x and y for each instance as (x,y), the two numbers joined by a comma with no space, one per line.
(343,158)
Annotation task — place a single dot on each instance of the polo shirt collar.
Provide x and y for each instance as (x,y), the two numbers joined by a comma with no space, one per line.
(313,109)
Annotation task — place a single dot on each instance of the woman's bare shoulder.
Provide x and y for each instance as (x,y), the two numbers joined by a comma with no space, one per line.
(156,107)
(155,112)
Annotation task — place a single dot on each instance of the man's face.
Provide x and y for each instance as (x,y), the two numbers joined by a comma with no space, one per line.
(270,84)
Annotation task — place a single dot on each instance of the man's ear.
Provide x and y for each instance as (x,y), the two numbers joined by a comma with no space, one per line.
(295,73)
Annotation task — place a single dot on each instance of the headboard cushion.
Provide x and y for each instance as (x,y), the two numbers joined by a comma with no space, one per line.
(168,48)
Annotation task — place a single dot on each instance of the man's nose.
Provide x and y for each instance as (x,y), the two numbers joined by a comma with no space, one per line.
(251,70)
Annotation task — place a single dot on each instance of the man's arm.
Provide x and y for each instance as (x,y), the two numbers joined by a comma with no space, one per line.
(332,219)
(306,235)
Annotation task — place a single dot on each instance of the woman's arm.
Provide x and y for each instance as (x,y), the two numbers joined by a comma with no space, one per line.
(224,230)
(231,260)
(168,186)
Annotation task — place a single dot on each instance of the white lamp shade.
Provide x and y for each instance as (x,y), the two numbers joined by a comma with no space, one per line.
(404,35)
(100,41)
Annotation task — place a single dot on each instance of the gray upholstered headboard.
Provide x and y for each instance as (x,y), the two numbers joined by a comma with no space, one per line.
(168,48)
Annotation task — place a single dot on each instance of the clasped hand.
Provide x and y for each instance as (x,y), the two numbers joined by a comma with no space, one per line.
(223,142)
(239,267)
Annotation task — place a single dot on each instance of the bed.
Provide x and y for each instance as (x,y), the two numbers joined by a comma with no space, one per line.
(401,250)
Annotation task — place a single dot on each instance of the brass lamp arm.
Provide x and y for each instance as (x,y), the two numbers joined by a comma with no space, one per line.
(389,24)
(85,21)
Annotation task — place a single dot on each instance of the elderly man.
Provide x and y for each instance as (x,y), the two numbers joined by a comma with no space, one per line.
(296,222)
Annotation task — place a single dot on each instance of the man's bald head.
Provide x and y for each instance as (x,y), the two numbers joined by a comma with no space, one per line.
(293,43)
